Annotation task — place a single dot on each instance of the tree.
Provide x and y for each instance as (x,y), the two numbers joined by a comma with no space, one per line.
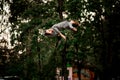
(36,15)
(95,42)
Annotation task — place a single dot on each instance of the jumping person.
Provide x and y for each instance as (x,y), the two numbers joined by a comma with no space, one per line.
(55,29)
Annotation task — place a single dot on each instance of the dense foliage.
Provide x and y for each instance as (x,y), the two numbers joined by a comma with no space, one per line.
(35,57)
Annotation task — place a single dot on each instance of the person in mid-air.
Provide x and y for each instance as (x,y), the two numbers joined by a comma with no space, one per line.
(55,29)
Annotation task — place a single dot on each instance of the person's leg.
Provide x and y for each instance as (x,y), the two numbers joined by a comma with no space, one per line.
(49,31)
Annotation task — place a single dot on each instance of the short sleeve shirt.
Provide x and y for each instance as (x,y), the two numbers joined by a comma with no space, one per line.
(62,25)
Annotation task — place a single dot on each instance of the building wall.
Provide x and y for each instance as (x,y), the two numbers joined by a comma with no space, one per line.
(86,74)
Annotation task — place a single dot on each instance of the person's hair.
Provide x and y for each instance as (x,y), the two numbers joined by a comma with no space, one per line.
(75,23)
(47,34)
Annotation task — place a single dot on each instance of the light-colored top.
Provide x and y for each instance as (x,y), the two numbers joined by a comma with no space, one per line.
(62,25)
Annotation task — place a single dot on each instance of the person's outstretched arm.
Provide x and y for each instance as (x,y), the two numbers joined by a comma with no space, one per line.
(59,33)
(71,27)
(74,29)
(63,36)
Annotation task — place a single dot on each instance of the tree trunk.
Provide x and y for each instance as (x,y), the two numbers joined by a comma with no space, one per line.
(60,9)
(64,63)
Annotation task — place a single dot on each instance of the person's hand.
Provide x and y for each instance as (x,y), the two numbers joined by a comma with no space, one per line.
(74,29)
(64,37)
